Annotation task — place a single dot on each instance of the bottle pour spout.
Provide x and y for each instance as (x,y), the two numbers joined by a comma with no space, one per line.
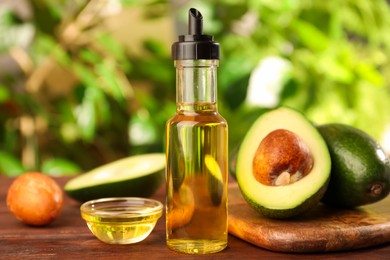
(195,45)
(195,22)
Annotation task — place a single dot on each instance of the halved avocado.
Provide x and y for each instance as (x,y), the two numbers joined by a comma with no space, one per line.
(283,164)
(134,176)
(360,172)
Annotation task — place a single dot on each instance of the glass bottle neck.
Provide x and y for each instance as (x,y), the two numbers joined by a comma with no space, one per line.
(196,85)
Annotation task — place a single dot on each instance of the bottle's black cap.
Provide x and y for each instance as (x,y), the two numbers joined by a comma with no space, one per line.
(195,45)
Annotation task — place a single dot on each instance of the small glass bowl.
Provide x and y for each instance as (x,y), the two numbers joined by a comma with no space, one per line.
(121,220)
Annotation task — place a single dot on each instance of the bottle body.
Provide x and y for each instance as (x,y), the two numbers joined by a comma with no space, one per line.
(197,183)
(197,169)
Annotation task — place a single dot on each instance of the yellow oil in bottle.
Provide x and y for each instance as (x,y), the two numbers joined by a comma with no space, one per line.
(197,148)
(196,216)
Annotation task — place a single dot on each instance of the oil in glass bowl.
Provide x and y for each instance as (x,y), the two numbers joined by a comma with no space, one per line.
(121,220)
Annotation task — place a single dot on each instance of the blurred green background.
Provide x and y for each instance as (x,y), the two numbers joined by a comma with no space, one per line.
(83,83)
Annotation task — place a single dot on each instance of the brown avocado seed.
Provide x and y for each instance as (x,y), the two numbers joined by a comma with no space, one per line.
(281,158)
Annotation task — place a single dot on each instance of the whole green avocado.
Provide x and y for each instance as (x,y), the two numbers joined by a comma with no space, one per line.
(360,172)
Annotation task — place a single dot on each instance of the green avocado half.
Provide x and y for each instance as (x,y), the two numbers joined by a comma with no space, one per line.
(295,198)
(134,176)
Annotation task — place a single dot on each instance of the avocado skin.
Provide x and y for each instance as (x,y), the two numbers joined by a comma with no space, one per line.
(357,164)
(233,162)
(293,212)
(143,186)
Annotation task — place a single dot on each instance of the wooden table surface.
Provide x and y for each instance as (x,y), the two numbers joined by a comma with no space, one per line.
(69,238)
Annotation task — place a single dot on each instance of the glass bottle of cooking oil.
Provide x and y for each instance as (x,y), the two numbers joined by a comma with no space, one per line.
(196,148)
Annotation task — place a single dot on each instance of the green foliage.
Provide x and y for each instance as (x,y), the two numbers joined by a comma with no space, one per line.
(10,165)
(338,51)
(60,167)
(71,106)
(75,97)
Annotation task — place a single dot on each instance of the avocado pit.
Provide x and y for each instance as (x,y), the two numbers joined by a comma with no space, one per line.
(282,158)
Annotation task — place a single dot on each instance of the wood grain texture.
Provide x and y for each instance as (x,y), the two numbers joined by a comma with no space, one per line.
(322,229)
(69,238)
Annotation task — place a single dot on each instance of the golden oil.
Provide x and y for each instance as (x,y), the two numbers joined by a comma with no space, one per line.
(121,220)
(196,148)
(121,230)
(196,180)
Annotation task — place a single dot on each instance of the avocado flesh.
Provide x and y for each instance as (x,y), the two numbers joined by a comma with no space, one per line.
(293,199)
(359,165)
(134,176)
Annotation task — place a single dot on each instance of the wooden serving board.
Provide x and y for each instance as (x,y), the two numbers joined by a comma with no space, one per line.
(323,229)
